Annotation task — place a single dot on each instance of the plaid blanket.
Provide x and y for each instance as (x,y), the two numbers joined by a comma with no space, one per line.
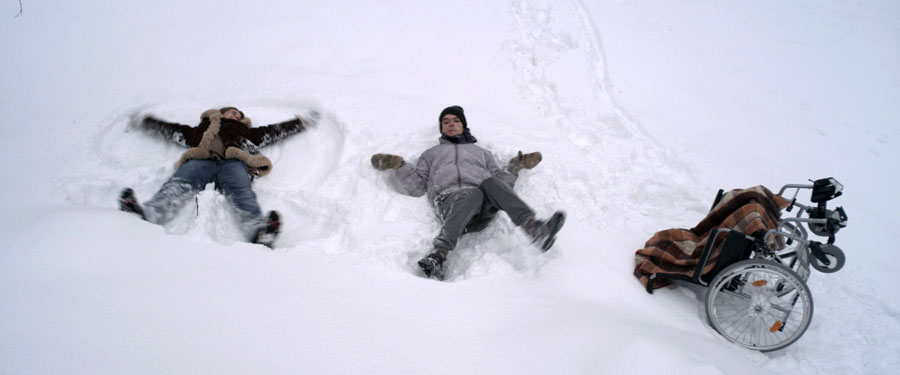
(678,251)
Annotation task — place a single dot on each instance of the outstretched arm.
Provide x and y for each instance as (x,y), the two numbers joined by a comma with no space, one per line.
(496,171)
(413,179)
(266,135)
(174,132)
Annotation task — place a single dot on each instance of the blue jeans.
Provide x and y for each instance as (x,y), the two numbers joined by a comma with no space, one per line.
(231,178)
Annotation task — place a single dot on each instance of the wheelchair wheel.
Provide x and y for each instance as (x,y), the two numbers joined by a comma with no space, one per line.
(759,304)
(835,258)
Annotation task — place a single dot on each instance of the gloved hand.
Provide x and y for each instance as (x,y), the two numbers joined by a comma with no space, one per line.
(309,120)
(383,162)
(524,161)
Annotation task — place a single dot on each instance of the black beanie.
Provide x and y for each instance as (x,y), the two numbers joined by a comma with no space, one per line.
(456,111)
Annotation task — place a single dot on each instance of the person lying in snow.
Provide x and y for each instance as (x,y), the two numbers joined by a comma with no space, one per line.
(467,188)
(224,149)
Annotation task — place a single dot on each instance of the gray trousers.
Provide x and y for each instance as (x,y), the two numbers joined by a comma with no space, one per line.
(472,209)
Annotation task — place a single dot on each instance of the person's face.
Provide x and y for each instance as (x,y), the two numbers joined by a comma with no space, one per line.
(232,114)
(451,125)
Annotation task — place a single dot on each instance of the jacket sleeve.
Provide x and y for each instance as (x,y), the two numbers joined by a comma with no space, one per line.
(174,132)
(266,135)
(415,179)
(501,173)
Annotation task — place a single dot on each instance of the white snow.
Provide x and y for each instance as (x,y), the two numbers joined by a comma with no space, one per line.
(642,110)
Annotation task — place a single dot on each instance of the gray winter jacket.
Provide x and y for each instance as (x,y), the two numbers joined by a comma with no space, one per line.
(450,166)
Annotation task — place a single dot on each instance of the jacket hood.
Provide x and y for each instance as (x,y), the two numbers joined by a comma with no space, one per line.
(465,137)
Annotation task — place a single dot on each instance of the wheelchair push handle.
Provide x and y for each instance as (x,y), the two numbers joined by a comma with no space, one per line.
(822,221)
(823,189)
(826,189)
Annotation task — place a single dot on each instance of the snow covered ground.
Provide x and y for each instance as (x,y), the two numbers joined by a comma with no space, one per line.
(642,110)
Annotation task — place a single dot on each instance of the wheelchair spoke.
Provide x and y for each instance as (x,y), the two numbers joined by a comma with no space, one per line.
(759,304)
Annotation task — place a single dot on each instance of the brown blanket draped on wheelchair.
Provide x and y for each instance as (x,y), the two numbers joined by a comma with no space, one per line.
(678,251)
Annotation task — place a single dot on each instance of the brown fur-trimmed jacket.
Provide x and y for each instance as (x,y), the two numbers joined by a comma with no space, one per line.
(241,140)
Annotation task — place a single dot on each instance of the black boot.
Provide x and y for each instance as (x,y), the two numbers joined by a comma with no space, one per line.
(128,203)
(433,264)
(544,232)
(266,235)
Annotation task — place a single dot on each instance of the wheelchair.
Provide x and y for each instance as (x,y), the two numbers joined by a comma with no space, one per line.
(756,294)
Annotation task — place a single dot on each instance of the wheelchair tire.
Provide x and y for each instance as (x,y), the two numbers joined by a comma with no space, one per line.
(759,304)
(835,258)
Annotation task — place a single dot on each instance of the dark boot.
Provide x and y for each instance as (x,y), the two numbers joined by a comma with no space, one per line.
(544,232)
(433,264)
(128,203)
(267,234)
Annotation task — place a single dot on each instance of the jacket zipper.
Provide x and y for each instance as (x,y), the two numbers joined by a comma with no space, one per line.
(458,172)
